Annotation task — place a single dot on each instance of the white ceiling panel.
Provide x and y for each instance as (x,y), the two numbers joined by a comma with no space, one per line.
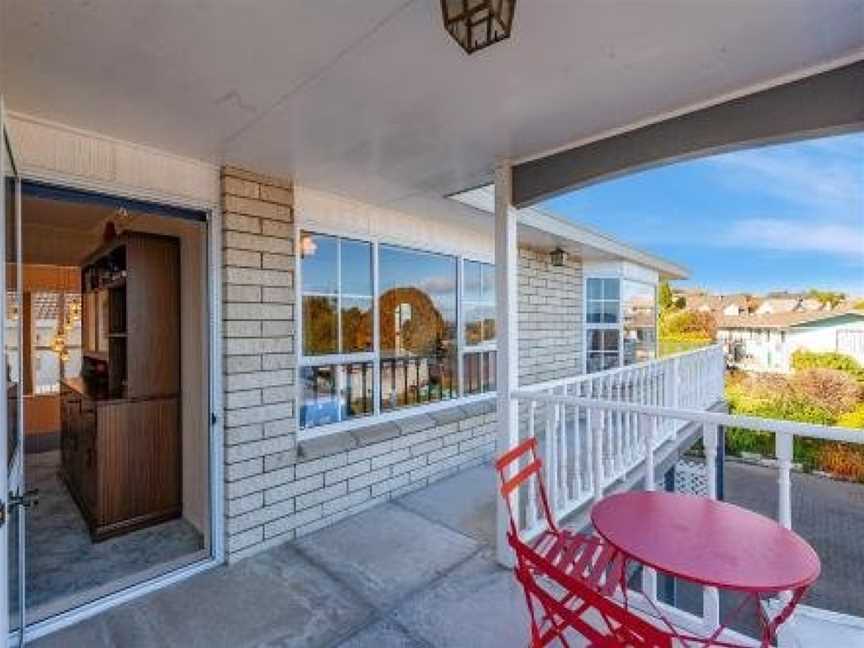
(373,99)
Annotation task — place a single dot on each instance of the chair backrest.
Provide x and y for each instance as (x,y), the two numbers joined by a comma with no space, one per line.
(598,618)
(532,470)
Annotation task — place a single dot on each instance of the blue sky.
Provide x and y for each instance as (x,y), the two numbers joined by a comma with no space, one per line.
(788,216)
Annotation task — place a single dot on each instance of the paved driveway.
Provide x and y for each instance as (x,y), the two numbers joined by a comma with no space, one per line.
(828,514)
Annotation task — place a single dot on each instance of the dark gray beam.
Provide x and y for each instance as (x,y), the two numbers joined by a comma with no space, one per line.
(830,102)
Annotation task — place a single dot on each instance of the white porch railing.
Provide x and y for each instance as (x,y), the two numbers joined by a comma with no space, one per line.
(594,429)
(587,448)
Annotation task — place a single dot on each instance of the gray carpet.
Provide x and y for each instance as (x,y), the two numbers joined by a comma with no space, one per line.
(63,561)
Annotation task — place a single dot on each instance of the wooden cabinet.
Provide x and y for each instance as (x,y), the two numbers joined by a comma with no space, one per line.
(120,422)
(120,459)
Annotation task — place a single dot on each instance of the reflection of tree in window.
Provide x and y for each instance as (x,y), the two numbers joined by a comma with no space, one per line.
(411,324)
(418,350)
(320,325)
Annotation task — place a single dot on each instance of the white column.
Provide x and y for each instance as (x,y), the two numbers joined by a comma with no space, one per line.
(710,595)
(783,451)
(506,254)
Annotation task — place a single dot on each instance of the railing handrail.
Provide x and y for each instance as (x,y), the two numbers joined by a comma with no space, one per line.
(815,430)
(608,373)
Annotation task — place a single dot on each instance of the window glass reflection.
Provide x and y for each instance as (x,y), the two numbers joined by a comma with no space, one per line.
(318,264)
(356,261)
(639,305)
(417,313)
(320,325)
(356,316)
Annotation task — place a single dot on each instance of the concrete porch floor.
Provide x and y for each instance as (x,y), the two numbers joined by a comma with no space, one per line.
(417,572)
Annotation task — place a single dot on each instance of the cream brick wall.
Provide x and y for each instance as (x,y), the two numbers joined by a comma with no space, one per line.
(550,317)
(258,280)
(277,490)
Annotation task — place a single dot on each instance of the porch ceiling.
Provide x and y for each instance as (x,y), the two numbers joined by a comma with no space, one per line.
(374,100)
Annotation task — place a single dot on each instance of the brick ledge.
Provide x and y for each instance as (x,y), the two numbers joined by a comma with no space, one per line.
(379,432)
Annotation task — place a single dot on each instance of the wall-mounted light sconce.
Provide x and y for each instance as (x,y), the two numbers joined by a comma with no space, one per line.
(558,257)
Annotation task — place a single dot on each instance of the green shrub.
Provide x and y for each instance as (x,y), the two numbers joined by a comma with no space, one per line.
(830,389)
(802,359)
(853,419)
(688,325)
(671,346)
(771,397)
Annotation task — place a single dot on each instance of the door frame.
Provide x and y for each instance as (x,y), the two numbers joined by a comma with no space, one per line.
(10,467)
(213,233)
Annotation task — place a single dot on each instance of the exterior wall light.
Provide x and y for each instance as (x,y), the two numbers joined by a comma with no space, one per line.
(476,24)
(558,257)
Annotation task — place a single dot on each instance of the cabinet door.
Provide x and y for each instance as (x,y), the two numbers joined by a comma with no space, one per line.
(65,427)
(72,464)
(88,461)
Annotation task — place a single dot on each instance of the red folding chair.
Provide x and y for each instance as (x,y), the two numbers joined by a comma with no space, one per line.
(569,578)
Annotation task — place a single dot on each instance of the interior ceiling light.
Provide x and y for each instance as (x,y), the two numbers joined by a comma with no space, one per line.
(476,24)
(308,247)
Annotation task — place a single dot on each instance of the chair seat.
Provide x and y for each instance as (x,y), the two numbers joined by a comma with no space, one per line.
(584,557)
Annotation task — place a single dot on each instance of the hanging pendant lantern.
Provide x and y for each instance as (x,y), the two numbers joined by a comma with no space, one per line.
(58,344)
(74,311)
(476,24)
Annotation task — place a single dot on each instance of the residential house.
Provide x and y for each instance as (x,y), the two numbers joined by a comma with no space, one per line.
(777,305)
(721,305)
(270,314)
(766,342)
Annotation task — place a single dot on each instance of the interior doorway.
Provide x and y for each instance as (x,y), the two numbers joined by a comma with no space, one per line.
(114,364)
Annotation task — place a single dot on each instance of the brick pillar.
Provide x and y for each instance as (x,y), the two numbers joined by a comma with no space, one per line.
(258,310)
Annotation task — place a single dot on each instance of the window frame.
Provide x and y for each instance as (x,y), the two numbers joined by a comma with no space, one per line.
(54,388)
(485,345)
(619,325)
(335,359)
(302,361)
(605,326)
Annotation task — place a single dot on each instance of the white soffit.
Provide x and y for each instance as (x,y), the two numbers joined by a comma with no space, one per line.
(539,228)
(374,100)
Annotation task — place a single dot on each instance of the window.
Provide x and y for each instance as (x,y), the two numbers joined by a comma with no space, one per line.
(348,369)
(640,321)
(417,313)
(478,310)
(336,374)
(602,317)
(57,340)
(620,322)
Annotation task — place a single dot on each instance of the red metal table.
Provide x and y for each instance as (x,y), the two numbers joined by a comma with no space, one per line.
(710,543)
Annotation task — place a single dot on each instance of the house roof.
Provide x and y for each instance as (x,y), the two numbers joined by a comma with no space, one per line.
(784,320)
(780,305)
(719,302)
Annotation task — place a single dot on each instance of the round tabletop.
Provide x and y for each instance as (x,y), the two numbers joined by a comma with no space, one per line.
(705,541)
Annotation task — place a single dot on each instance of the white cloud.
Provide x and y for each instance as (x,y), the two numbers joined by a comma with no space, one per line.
(825,175)
(795,236)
